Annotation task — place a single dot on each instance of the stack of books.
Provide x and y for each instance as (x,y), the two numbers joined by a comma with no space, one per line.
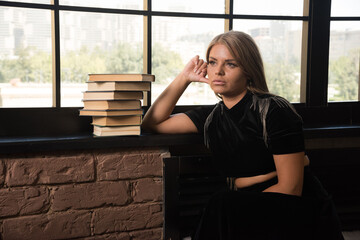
(114,102)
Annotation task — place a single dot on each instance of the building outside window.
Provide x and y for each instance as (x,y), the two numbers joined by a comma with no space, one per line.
(344,52)
(110,37)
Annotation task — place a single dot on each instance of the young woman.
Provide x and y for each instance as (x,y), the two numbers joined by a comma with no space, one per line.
(257,142)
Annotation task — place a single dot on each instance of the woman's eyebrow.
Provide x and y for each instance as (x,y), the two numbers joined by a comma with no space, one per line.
(226,60)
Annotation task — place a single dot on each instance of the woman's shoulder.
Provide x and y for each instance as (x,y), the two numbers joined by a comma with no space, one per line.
(271,105)
(199,114)
(270,100)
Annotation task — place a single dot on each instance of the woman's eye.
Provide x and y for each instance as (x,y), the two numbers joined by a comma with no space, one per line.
(232,65)
(211,62)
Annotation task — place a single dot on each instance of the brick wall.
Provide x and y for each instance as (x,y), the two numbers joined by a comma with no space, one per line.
(99,194)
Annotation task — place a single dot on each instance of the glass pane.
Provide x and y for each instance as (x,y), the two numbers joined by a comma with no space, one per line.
(198,6)
(122,4)
(33,1)
(175,42)
(266,7)
(25,58)
(344,61)
(97,43)
(280,46)
(345,8)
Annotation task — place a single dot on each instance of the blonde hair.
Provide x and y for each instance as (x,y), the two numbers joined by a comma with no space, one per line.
(245,51)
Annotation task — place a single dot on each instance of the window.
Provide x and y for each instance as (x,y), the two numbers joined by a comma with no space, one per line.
(189,6)
(279,39)
(175,42)
(48,48)
(344,52)
(25,58)
(97,43)
(123,4)
(108,37)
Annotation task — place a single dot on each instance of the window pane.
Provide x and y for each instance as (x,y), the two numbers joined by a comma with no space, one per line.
(175,42)
(97,43)
(33,1)
(344,61)
(25,58)
(198,6)
(345,8)
(266,7)
(280,46)
(122,4)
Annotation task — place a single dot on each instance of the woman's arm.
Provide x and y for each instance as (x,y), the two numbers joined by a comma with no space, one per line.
(158,119)
(290,172)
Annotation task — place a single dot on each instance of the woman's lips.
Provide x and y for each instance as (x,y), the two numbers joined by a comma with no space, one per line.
(218,82)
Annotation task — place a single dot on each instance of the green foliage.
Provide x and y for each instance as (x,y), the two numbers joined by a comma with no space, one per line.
(76,65)
(124,59)
(344,75)
(165,64)
(282,79)
(32,65)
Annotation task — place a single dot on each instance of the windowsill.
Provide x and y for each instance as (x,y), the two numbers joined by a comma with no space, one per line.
(88,141)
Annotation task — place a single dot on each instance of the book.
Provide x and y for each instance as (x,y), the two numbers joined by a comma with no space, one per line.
(112,95)
(118,86)
(122,77)
(109,112)
(112,104)
(117,131)
(117,120)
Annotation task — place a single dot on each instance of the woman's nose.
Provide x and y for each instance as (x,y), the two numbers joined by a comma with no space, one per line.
(219,70)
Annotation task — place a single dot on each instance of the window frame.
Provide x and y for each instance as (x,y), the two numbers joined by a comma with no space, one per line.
(314,68)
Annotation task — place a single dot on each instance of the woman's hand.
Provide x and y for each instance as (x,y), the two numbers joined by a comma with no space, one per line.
(158,119)
(195,70)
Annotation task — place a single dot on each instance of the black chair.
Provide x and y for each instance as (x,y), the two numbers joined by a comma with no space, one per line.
(189,181)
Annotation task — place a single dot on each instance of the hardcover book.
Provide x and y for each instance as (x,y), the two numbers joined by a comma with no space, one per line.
(109,112)
(117,131)
(112,104)
(117,120)
(118,86)
(112,95)
(122,77)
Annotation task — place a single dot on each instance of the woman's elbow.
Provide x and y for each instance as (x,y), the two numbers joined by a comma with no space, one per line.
(148,126)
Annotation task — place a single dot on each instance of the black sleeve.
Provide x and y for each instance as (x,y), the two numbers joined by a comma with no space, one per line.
(198,116)
(285,129)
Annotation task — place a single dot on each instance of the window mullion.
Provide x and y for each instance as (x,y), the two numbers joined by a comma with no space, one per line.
(317,84)
(55,31)
(147,47)
(229,11)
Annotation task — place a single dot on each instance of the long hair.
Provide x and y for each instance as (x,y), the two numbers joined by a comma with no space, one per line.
(245,51)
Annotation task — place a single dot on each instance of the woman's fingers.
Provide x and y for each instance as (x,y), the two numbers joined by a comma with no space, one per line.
(196,70)
(200,66)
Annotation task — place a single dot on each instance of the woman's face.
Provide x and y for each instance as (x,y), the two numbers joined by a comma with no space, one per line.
(225,75)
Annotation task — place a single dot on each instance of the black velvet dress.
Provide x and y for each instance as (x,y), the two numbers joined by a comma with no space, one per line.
(243,140)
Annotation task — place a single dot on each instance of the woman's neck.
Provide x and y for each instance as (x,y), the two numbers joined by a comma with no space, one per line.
(231,101)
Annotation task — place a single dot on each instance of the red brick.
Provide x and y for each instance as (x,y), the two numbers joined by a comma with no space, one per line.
(24,201)
(29,171)
(90,195)
(132,217)
(113,236)
(2,173)
(116,166)
(151,234)
(147,189)
(54,226)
